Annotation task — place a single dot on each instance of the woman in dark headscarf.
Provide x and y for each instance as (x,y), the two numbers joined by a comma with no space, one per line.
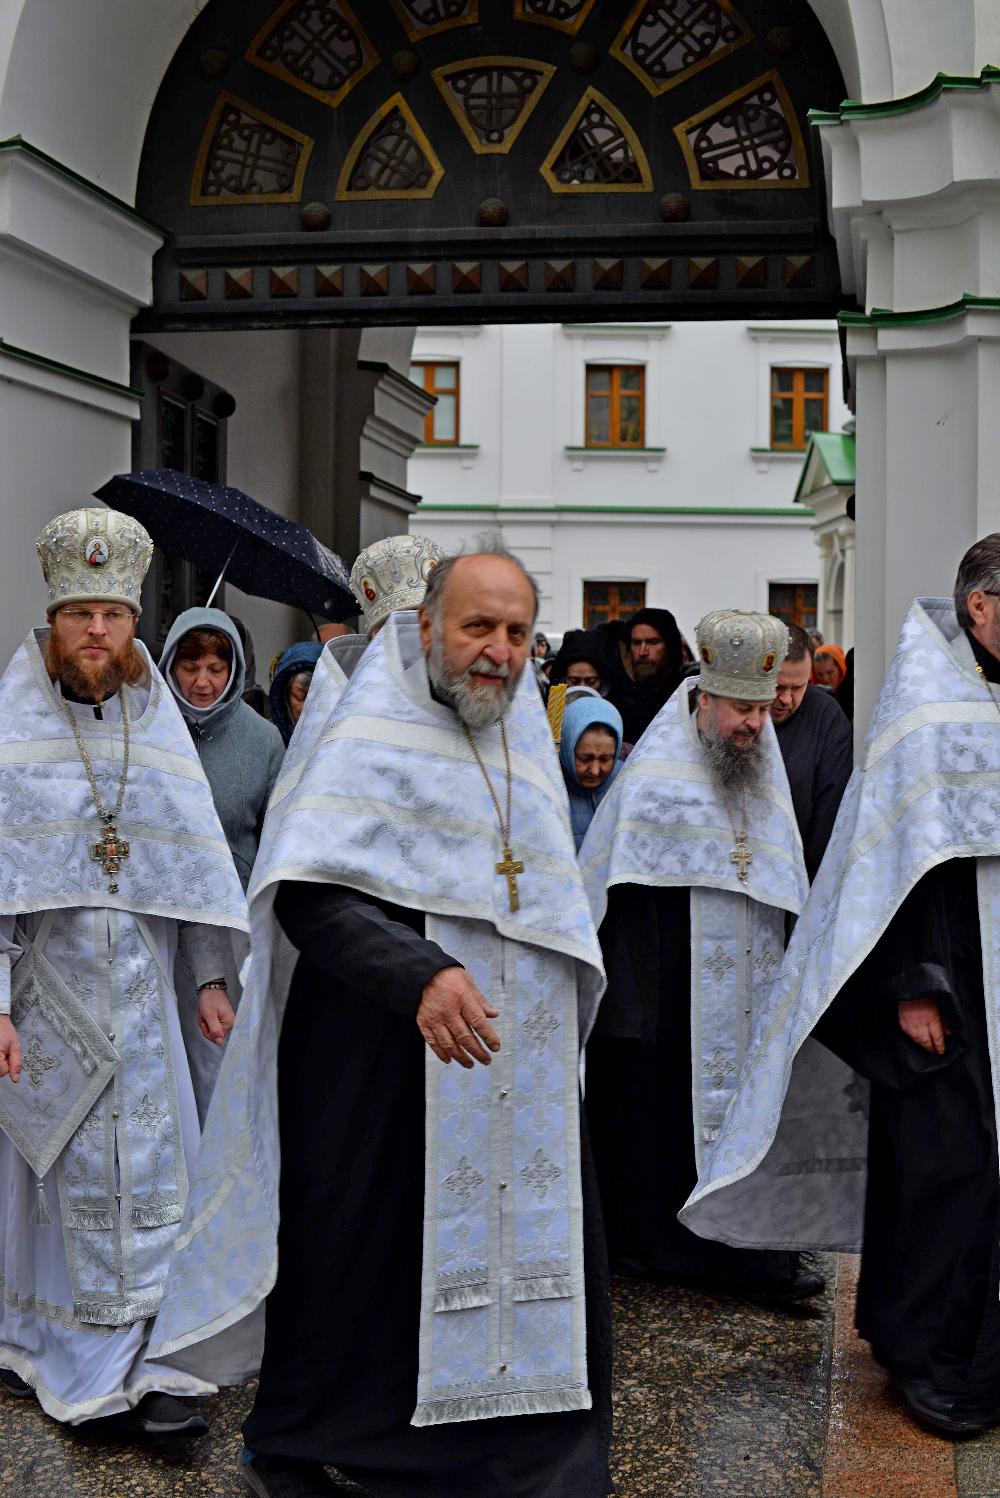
(583,660)
(290,686)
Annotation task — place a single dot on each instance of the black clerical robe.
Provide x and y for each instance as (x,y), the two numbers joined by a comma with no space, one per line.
(930,1268)
(339,1377)
(817,746)
(638,1095)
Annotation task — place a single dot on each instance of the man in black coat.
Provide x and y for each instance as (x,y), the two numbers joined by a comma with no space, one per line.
(816,743)
(649,670)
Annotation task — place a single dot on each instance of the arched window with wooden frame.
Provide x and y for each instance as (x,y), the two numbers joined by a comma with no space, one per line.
(799,405)
(616,405)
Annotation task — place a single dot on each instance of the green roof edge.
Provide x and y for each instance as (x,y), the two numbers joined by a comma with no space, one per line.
(815,441)
(884,317)
(18,143)
(854,109)
(71,371)
(785,511)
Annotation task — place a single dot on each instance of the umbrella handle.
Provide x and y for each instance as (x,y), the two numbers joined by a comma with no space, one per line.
(218,580)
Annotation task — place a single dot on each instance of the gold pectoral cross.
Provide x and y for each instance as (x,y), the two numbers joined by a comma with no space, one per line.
(742,856)
(510,868)
(109,850)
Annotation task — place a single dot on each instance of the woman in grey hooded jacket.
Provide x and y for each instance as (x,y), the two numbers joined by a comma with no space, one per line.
(240,751)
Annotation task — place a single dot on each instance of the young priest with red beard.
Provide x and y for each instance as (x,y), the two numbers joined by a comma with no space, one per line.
(113,864)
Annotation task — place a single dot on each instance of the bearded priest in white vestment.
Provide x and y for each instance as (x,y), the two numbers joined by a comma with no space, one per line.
(895,964)
(441,1317)
(113,869)
(693,863)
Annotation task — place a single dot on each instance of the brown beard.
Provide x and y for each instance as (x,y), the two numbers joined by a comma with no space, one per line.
(122,667)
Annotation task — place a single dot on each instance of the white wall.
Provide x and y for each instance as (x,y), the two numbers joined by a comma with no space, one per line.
(653,516)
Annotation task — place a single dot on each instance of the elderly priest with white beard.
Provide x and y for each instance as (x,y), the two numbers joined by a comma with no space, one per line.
(440,1319)
(692,865)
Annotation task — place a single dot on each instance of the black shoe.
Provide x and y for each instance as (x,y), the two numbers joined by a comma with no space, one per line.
(12,1383)
(278,1477)
(940,1412)
(804,1282)
(159,1414)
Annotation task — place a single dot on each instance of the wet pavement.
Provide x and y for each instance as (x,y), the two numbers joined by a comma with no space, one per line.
(713,1396)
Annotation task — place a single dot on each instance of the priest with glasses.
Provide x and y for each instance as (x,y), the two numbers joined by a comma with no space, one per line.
(119,900)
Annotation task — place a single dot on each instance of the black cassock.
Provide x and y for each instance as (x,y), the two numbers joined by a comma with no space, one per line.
(338,1383)
(639,1095)
(930,1269)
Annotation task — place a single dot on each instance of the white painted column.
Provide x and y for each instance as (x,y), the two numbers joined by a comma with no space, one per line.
(74,269)
(915,205)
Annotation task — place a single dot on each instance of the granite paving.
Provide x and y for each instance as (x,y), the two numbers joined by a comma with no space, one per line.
(714,1395)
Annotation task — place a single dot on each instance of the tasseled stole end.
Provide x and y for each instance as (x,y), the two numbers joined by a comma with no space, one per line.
(40,1216)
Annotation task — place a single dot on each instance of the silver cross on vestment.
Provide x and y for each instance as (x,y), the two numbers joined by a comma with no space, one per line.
(742,857)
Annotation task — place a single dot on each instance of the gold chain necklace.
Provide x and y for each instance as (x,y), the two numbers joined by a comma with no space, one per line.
(510,867)
(989,686)
(110,849)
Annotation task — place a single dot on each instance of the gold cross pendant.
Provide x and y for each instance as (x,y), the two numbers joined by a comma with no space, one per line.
(742,856)
(510,868)
(109,850)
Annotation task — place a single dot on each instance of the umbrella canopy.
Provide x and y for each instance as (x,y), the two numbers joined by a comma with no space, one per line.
(228,533)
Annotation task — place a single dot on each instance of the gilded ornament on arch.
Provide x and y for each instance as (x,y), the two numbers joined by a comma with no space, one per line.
(318,46)
(667,42)
(562,15)
(247,156)
(749,139)
(492,97)
(423,18)
(597,151)
(391,159)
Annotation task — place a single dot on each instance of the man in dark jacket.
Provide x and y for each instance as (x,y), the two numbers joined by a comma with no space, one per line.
(817,745)
(649,670)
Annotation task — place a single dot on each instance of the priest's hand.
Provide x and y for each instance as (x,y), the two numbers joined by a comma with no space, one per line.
(921,1020)
(10,1049)
(215,1014)
(454,1019)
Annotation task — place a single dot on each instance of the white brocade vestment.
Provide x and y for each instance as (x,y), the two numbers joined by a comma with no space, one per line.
(391,802)
(788,1169)
(77,1293)
(666,823)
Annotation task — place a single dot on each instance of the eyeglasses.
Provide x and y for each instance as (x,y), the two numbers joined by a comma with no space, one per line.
(86,617)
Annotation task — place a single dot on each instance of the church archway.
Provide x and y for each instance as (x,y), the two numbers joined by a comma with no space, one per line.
(448,160)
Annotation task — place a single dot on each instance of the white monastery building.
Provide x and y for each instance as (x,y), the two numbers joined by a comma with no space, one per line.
(634,463)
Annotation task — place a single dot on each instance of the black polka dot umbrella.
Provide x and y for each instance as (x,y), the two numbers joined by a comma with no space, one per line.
(243,542)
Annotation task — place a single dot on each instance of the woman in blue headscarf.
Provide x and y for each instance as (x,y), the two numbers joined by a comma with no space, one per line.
(589,751)
(290,685)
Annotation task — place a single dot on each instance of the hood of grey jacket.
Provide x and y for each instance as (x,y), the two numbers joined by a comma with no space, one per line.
(217,713)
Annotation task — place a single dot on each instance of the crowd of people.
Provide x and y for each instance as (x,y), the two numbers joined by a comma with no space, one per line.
(295,985)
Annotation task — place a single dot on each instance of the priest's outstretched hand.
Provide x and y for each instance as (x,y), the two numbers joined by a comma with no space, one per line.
(10,1050)
(921,1020)
(454,1019)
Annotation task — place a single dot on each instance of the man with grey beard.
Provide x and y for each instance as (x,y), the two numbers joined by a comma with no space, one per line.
(439,1321)
(691,865)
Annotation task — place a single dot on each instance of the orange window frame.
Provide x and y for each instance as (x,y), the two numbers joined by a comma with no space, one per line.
(614,394)
(799,398)
(435,385)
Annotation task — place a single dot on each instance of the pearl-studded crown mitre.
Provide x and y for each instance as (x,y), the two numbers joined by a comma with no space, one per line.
(392,574)
(94,555)
(741,654)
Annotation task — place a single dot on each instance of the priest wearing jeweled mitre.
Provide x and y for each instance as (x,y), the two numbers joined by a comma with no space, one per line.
(119,902)
(440,1319)
(693,865)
